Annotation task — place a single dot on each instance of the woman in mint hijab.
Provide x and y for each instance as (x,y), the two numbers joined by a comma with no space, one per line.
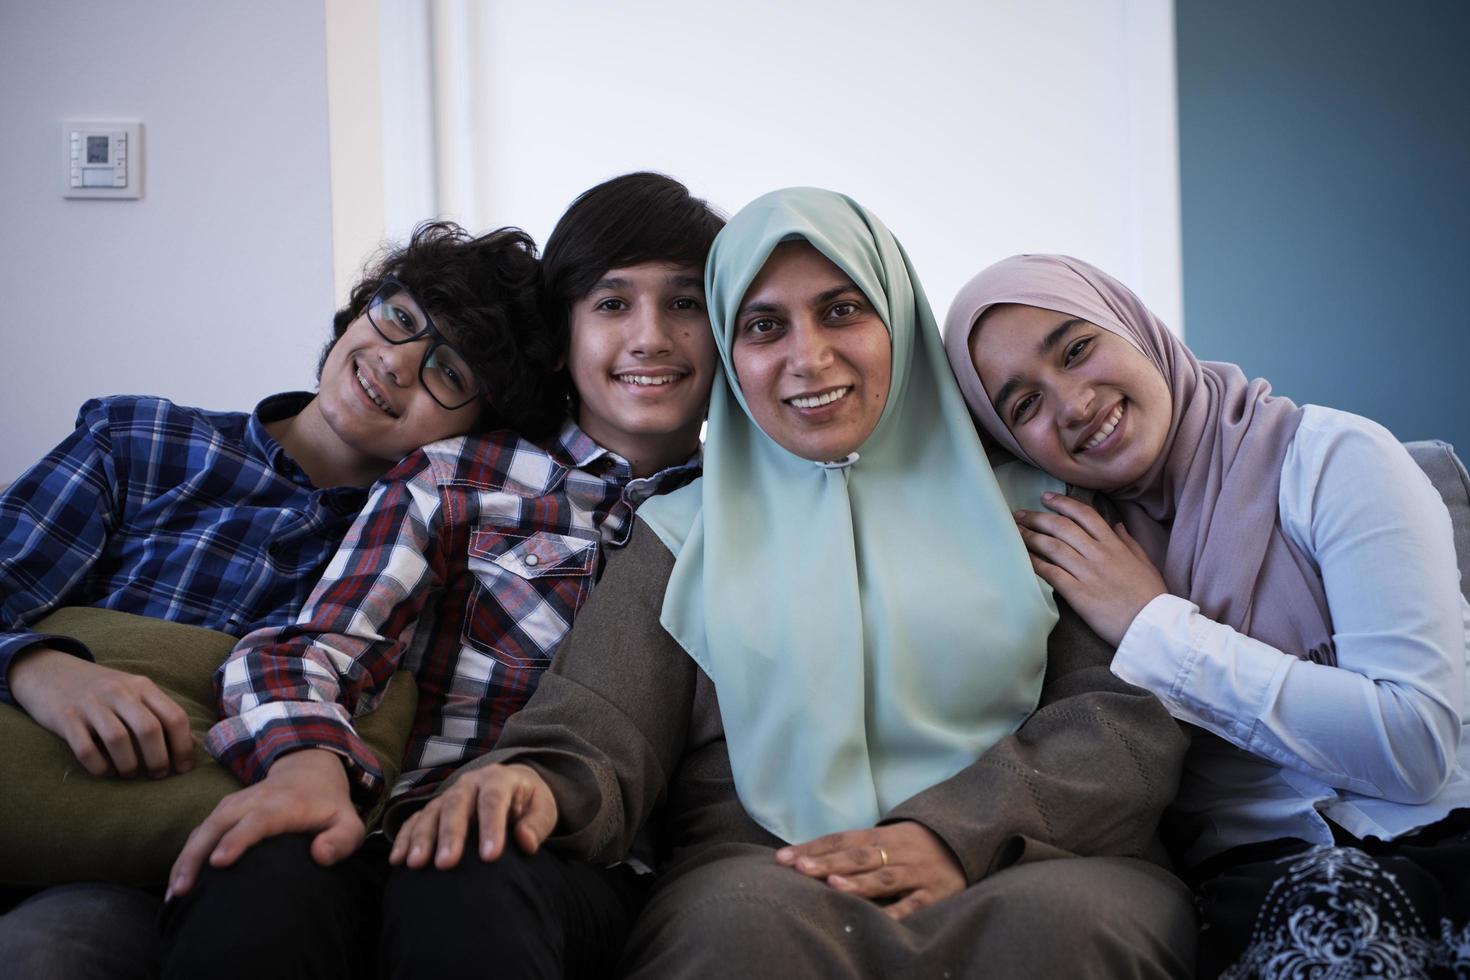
(826,677)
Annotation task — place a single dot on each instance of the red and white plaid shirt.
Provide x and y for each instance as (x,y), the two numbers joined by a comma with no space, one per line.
(467,566)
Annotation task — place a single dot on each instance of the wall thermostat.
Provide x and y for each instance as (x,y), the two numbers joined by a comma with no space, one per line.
(103,159)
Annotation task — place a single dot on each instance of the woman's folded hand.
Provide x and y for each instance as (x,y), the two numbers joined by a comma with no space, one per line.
(904,866)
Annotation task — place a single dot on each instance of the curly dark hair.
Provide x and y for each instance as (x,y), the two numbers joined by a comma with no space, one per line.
(484,295)
(635,218)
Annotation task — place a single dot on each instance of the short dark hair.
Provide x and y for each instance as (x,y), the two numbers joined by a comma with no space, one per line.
(484,294)
(638,217)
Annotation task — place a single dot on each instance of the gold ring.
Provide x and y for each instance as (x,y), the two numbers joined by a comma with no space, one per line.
(882,857)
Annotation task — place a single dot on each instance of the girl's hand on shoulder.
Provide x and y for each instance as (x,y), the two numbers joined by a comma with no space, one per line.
(903,864)
(502,799)
(1100,570)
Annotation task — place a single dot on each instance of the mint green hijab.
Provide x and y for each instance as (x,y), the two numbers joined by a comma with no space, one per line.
(870,629)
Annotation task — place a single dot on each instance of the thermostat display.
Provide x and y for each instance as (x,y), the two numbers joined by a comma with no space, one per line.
(103,159)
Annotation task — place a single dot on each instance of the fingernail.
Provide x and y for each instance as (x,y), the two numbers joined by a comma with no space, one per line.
(1018,514)
(443,853)
(837,881)
(486,846)
(784,855)
(806,863)
(1048,495)
(416,854)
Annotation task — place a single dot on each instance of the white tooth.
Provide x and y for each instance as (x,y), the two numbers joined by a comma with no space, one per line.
(372,392)
(1106,429)
(814,401)
(648,379)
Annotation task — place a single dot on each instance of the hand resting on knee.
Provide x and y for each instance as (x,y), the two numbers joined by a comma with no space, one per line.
(304,792)
(503,798)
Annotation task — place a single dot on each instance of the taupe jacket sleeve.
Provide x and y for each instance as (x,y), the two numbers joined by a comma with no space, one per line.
(625,724)
(1089,773)
(610,721)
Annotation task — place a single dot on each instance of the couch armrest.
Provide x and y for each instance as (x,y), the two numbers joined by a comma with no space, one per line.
(1437,459)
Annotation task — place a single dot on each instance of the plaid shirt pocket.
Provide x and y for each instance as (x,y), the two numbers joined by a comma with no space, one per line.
(527,590)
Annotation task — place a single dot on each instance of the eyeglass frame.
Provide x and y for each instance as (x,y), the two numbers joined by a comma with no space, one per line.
(436,340)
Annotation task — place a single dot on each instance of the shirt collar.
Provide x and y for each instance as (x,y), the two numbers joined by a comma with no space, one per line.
(342,500)
(257,438)
(670,478)
(577,450)
(580,451)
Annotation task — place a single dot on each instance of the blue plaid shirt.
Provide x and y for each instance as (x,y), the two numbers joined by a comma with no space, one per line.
(166,511)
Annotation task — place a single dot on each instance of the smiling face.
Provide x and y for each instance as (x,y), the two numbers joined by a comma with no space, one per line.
(1082,402)
(812,356)
(642,359)
(372,401)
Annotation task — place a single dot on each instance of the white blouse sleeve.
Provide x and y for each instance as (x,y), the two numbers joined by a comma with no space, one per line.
(1386,721)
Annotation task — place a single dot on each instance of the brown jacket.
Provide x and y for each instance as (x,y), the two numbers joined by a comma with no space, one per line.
(625,729)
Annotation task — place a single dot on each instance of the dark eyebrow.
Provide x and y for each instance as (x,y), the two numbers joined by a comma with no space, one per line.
(1056,334)
(836,291)
(826,296)
(756,308)
(678,280)
(1053,336)
(414,308)
(1006,391)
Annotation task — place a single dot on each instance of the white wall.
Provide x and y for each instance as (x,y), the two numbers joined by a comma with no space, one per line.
(974,129)
(407,135)
(214,289)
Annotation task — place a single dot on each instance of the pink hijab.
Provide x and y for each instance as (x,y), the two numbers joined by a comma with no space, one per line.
(1206,511)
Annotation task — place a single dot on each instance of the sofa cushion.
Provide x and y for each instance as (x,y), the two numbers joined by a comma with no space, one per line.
(59,823)
(1447,473)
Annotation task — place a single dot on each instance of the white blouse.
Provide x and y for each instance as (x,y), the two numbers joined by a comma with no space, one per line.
(1375,744)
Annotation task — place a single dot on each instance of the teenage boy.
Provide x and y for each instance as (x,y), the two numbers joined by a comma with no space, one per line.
(226,519)
(468,566)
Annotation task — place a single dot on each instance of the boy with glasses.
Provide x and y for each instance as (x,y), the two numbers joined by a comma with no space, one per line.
(467,566)
(226,519)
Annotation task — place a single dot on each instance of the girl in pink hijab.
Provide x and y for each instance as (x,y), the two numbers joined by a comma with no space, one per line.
(1284,579)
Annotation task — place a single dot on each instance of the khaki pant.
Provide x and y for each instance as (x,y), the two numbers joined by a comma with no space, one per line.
(742,915)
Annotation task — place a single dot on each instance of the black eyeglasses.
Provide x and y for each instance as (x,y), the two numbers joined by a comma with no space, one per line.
(444,372)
